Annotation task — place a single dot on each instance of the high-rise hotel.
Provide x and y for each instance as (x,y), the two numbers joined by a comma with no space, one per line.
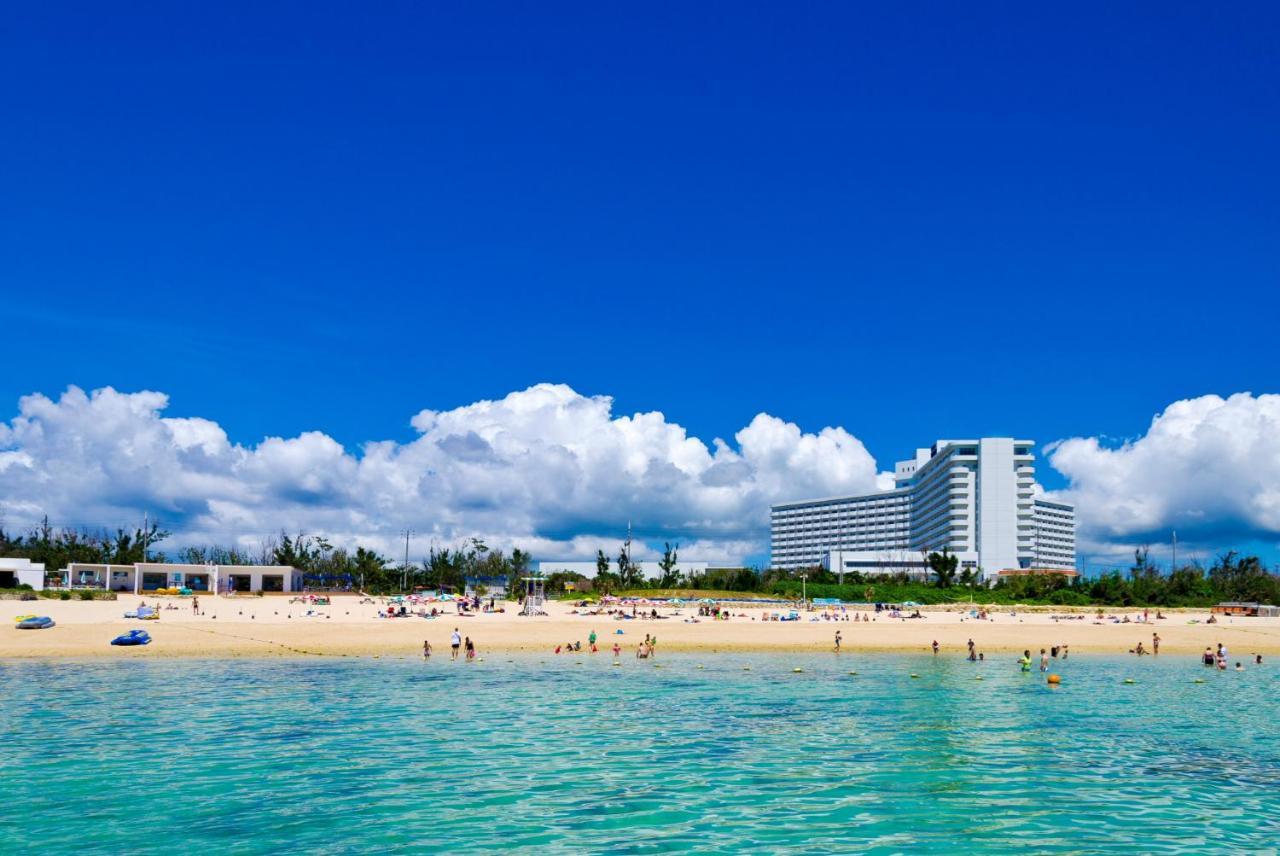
(977,498)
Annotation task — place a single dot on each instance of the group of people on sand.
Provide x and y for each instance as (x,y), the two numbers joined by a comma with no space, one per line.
(1141,651)
(457,645)
(571,647)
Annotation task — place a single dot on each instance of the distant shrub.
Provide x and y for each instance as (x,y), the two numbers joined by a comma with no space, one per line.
(86,595)
(64,595)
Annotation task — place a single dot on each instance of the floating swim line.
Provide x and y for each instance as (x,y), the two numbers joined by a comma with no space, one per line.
(289,648)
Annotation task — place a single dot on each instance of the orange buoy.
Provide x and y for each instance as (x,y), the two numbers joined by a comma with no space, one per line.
(1055,680)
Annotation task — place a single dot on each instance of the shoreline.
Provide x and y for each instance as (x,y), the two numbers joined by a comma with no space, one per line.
(275,628)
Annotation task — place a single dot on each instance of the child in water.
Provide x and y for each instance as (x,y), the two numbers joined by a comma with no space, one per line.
(1025,661)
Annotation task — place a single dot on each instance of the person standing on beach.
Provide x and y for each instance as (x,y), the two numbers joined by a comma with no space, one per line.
(471,649)
(837,641)
(935,646)
(195,606)
(455,641)
(591,640)
(1155,643)
(426,650)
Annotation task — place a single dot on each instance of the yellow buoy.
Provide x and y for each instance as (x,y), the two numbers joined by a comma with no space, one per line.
(1054,679)
(797,669)
(914,675)
(1128,680)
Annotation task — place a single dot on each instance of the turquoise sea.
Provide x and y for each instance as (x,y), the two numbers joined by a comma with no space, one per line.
(572,754)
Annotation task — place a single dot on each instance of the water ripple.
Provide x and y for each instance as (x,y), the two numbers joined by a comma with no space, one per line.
(362,756)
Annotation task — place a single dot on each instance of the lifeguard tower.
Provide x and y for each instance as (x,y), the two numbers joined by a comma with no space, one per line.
(535,594)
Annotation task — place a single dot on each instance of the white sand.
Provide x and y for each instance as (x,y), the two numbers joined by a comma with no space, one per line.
(272,626)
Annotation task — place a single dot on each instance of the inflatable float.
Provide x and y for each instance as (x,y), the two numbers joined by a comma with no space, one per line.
(133,637)
(41,622)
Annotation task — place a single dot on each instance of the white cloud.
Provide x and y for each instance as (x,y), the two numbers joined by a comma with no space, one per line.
(545,468)
(1208,467)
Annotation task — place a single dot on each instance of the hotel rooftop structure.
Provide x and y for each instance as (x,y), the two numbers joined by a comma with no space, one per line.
(977,498)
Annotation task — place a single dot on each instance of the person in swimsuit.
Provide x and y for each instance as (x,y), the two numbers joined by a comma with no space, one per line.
(837,641)
(426,650)
(1024,662)
(471,649)
(455,641)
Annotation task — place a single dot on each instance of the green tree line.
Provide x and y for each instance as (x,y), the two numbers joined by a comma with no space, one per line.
(1232,576)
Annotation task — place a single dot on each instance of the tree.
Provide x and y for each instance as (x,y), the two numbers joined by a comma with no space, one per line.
(628,574)
(670,577)
(370,568)
(943,566)
(605,580)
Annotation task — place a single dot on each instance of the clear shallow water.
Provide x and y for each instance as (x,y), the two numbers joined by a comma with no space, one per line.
(543,753)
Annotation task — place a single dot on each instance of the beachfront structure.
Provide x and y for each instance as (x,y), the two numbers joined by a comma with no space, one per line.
(492,586)
(21,572)
(977,498)
(148,576)
(648,569)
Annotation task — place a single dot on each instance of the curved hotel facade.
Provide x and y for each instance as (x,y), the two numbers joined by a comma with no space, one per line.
(977,498)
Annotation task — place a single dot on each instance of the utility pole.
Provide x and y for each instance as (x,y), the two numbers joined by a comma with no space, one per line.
(404,571)
(625,570)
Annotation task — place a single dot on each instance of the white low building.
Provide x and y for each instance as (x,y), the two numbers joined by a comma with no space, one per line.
(143,577)
(21,572)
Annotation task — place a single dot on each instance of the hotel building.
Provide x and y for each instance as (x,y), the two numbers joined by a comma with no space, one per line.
(977,498)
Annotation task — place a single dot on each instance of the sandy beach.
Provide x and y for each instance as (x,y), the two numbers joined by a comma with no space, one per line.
(273,626)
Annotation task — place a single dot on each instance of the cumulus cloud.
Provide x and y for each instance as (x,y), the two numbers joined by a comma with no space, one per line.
(1208,467)
(545,468)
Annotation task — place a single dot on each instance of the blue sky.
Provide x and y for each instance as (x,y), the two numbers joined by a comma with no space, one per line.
(911,222)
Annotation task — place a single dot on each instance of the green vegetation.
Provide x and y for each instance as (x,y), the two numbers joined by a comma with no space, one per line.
(58,548)
(1231,577)
(696,594)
